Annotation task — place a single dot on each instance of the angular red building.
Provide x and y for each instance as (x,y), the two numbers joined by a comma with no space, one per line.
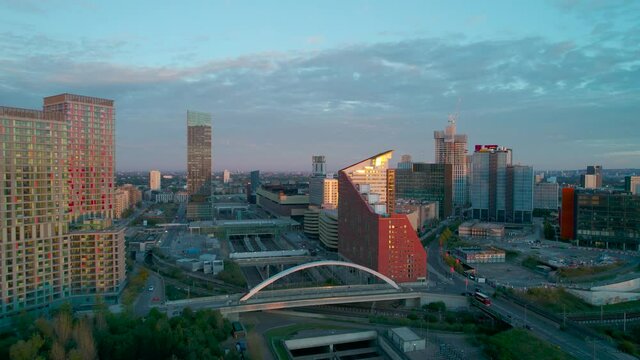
(369,232)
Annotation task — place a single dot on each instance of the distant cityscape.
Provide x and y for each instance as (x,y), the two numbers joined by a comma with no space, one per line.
(76,232)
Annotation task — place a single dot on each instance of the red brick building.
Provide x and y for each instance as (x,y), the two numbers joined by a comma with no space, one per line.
(369,233)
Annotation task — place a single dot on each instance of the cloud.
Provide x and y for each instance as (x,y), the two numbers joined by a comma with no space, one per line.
(352,100)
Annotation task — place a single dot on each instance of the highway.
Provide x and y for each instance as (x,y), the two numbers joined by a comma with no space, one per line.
(544,328)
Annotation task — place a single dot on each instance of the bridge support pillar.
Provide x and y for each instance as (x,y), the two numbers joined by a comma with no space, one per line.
(231,316)
(412,303)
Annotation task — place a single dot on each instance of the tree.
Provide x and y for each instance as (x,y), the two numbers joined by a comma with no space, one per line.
(549,231)
(27,350)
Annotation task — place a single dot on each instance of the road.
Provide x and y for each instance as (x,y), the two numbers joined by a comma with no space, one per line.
(148,298)
(545,329)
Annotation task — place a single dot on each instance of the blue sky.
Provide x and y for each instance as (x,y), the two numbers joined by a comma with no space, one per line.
(558,81)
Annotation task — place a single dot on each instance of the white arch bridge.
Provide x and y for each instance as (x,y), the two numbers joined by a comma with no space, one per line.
(234,304)
(314,264)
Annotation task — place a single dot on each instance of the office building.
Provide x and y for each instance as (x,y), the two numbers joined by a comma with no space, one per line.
(323,187)
(632,184)
(370,233)
(226,176)
(500,191)
(451,148)
(545,196)
(405,162)
(427,183)
(601,218)
(593,177)
(199,165)
(283,201)
(154,180)
(57,206)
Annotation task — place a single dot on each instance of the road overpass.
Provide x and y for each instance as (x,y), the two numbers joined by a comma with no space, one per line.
(231,305)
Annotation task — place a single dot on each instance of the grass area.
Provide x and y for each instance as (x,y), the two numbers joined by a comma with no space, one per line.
(232,274)
(173,293)
(522,345)
(275,336)
(628,342)
(556,300)
(583,271)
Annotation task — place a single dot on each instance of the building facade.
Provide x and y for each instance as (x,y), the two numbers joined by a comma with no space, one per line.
(154,180)
(500,191)
(199,165)
(632,184)
(226,176)
(600,218)
(545,196)
(369,231)
(58,181)
(451,148)
(427,182)
(592,179)
(199,153)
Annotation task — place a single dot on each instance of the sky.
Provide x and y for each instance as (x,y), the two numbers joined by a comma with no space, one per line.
(556,81)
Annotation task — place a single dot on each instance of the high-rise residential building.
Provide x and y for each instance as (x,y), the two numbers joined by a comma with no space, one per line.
(90,153)
(593,177)
(370,233)
(427,182)
(122,202)
(57,205)
(226,176)
(545,196)
(632,184)
(34,198)
(199,165)
(500,191)
(451,148)
(601,218)
(154,180)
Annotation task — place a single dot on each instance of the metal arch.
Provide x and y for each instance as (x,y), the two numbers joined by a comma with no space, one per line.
(297,268)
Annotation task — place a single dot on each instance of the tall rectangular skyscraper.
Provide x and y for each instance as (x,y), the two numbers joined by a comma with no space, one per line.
(199,165)
(451,148)
(198,153)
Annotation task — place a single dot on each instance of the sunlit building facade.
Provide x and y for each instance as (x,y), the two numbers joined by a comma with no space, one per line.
(370,232)
(154,180)
(58,182)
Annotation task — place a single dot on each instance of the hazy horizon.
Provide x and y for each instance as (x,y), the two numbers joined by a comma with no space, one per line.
(556,81)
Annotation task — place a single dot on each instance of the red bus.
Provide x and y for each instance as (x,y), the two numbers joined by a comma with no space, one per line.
(482,298)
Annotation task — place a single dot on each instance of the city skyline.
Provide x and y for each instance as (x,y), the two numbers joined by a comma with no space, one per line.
(279,89)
